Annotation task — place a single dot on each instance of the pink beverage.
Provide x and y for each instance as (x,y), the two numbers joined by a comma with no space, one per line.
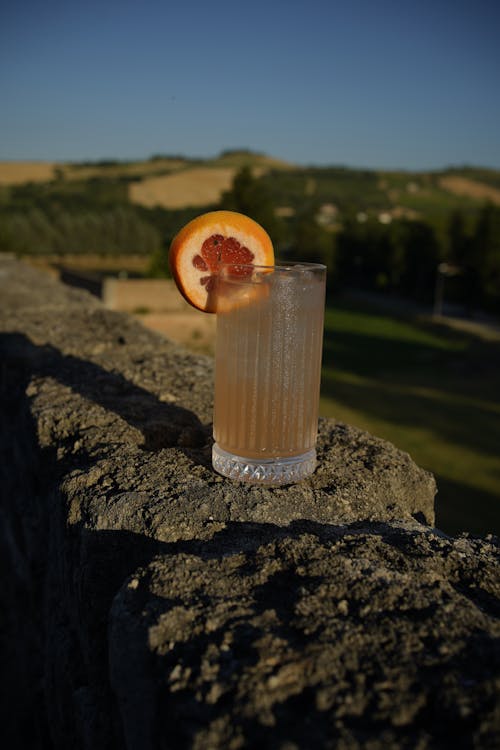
(268,371)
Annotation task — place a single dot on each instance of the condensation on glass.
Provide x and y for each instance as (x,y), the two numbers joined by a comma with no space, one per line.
(268,371)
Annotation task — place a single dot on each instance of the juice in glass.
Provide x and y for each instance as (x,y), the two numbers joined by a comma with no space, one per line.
(268,370)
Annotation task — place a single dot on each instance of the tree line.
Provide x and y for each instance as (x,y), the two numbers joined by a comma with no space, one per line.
(109,231)
(402,257)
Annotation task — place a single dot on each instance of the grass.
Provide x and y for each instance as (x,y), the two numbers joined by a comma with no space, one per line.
(429,390)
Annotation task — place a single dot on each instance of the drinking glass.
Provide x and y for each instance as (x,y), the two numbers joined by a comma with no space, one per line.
(268,371)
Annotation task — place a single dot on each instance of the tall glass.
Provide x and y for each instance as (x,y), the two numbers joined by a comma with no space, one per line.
(268,371)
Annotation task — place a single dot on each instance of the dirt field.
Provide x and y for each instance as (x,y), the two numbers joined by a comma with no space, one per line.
(17,172)
(191,187)
(470,188)
(121,169)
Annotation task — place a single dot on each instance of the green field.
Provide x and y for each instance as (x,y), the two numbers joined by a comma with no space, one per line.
(430,390)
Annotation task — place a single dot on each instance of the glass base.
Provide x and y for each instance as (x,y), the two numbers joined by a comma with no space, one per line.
(265,471)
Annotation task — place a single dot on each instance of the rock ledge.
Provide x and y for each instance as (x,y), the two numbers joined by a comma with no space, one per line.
(154,604)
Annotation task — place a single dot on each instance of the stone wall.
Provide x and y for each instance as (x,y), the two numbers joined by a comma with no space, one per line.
(149,603)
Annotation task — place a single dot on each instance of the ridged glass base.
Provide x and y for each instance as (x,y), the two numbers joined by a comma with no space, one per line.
(268,471)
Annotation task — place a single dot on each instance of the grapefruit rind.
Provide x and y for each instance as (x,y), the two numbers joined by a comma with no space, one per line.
(187,244)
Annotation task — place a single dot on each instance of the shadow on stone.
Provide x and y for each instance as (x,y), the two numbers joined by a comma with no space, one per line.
(237,633)
(162,424)
(311,634)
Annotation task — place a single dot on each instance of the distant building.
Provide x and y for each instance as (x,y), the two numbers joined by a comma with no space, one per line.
(385,217)
(398,212)
(284,212)
(327,214)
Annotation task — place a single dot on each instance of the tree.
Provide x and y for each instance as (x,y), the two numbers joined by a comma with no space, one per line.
(484,258)
(457,238)
(311,242)
(364,254)
(421,260)
(249,196)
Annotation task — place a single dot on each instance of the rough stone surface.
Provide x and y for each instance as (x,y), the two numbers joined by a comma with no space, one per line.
(311,636)
(106,391)
(147,602)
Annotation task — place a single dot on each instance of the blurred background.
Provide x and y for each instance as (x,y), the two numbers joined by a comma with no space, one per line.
(362,135)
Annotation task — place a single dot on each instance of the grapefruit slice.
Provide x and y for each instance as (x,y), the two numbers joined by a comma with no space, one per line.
(202,246)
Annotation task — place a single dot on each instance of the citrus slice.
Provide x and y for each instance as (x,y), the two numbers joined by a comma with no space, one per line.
(198,251)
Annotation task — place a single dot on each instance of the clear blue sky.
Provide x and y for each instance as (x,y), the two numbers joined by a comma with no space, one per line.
(392,84)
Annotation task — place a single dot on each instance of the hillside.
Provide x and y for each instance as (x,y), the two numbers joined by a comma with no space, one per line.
(199,186)
(176,182)
(332,214)
(21,172)
(460,185)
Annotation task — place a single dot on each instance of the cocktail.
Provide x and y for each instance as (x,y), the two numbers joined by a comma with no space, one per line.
(267,371)
(268,347)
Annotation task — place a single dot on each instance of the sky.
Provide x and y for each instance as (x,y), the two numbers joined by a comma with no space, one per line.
(392,84)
